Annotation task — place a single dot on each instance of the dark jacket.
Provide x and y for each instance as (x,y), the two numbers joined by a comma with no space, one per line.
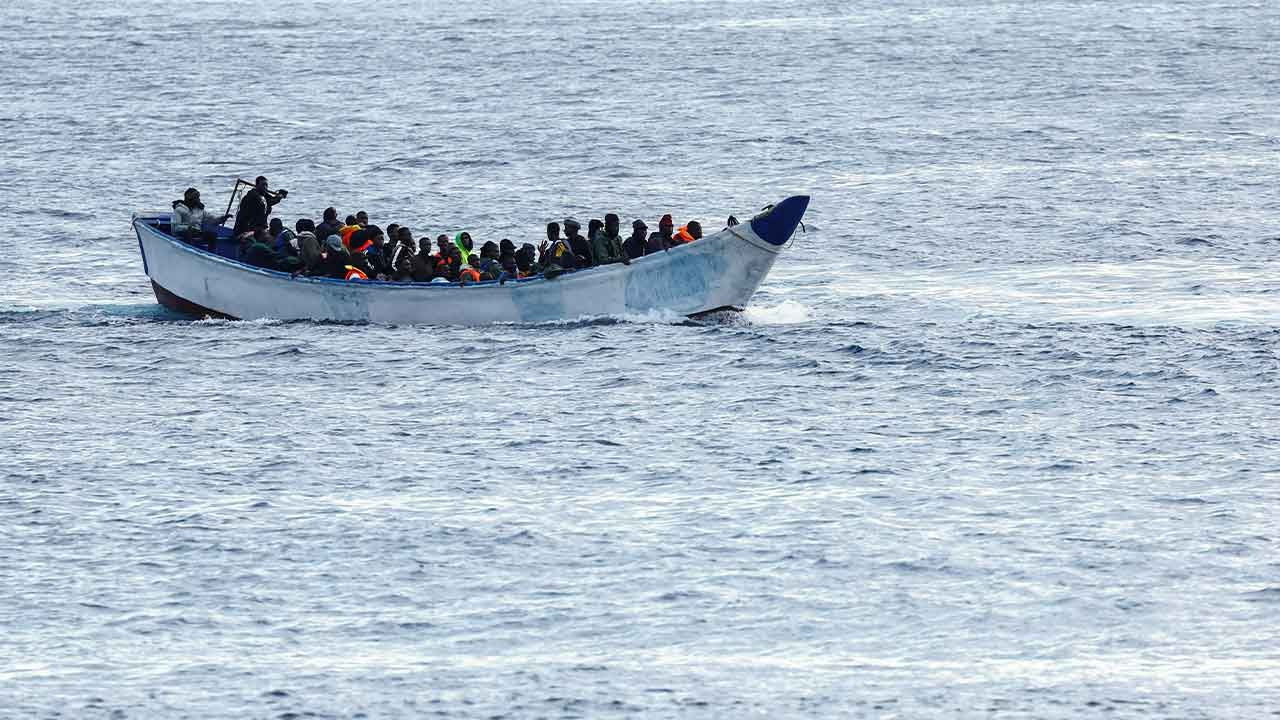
(634,246)
(334,265)
(658,242)
(254,210)
(581,249)
(260,254)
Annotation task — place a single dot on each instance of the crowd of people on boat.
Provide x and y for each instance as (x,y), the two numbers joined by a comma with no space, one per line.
(355,249)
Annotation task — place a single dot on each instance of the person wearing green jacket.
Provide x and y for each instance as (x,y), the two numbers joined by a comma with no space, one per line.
(606,245)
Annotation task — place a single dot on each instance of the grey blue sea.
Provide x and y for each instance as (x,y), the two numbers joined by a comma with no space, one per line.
(998,436)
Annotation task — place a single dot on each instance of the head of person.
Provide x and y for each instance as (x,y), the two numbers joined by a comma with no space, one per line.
(351,220)
(571,227)
(665,225)
(191,197)
(442,242)
(304,225)
(489,250)
(330,215)
(463,240)
(524,257)
(611,224)
(592,226)
(362,219)
(260,183)
(333,244)
(505,247)
(695,229)
(553,231)
(393,231)
(639,229)
(375,234)
(275,226)
(404,235)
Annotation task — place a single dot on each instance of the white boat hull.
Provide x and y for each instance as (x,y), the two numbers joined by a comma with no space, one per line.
(716,272)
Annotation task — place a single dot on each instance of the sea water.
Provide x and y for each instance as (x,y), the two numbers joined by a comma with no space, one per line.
(997,437)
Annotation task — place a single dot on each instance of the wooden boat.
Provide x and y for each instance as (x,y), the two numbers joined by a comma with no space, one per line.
(717,272)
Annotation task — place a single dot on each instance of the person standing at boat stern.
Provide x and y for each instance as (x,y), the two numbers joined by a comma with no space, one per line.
(255,206)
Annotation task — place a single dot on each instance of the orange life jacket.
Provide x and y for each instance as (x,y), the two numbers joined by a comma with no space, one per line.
(367,244)
(355,273)
(469,274)
(682,235)
(345,231)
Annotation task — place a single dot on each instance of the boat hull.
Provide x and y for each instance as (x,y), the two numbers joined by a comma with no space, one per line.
(717,272)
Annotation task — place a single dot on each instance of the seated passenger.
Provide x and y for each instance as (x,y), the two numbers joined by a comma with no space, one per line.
(688,233)
(660,240)
(526,265)
(366,252)
(258,252)
(189,221)
(488,265)
(635,245)
(462,241)
(556,255)
(606,245)
(449,259)
(593,227)
(283,240)
(349,229)
(333,259)
(329,225)
(308,242)
(424,263)
(468,275)
(581,248)
(362,219)
(401,257)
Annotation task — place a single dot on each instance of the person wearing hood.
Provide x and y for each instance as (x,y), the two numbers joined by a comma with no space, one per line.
(308,243)
(255,206)
(191,223)
(635,245)
(581,247)
(333,259)
(662,239)
(463,242)
(256,250)
(606,245)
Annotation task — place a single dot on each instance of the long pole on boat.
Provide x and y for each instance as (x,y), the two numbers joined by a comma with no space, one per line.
(231,200)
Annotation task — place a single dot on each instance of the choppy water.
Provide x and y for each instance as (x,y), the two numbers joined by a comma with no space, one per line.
(999,436)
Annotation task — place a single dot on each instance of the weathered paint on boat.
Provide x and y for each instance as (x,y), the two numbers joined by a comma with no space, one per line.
(717,272)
